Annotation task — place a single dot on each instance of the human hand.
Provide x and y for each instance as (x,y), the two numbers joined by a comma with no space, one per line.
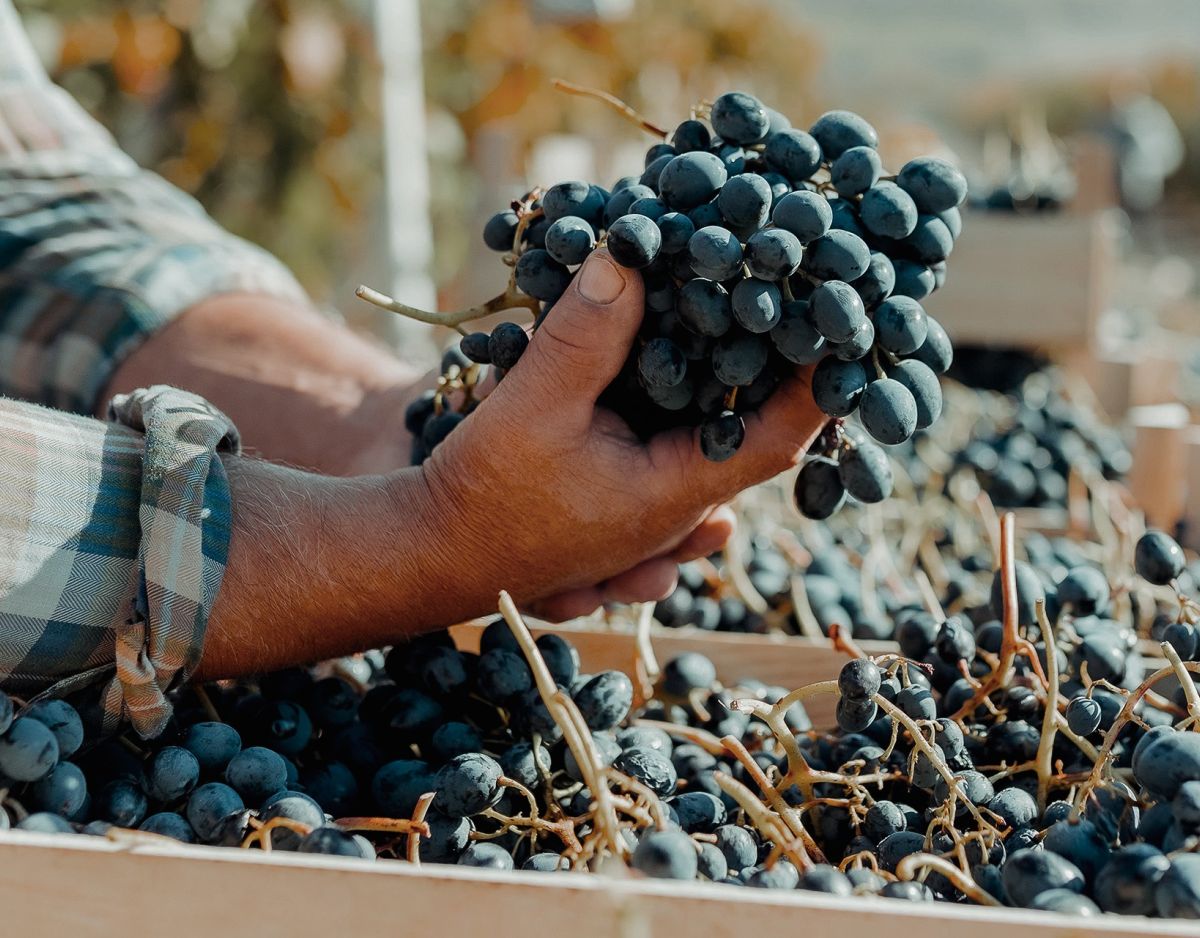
(552,497)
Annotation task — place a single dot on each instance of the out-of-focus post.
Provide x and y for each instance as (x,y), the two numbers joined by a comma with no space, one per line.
(409,232)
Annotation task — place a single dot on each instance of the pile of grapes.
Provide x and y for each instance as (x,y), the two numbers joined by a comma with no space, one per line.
(762,247)
(961,769)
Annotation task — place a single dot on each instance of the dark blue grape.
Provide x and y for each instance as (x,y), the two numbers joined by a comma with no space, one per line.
(733,158)
(448,838)
(773,254)
(1127,883)
(793,153)
(866,473)
(649,177)
(546,863)
(171,774)
(330,841)
(779,186)
(936,352)
(661,364)
(28,751)
(912,279)
(925,388)
(438,428)
(673,398)
(43,822)
(878,282)
(795,337)
(691,135)
(657,151)
(722,436)
(757,305)
(570,240)
(169,824)
(213,745)
(819,492)
(676,229)
(62,720)
(900,325)
(704,216)
(520,764)
(256,774)
(704,307)
(606,751)
(934,184)
(650,767)
(605,699)
(745,201)
(487,856)
(887,211)
(691,179)
(63,791)
(634,241)
(502,676)
(738,359)
(858,345)
(838,386)
(541,276)
(740,118)
(398,785)
(1083,715)
(838,131)
(1015,805)
(715,253)
(475,347)
(854,716)
(501,231)
(930,240)
(855,171)
(888,411)
(572,198)
(827,879)
(837,255)
(805,214)
(467,784)
(620,201)
(454,739)
(507,344)
(836,310)
(1027,873)
(952,218)
(1158,558)
(883,819)
(666,855)
(121,803)
(895,847)
(1166,762)
(562,660)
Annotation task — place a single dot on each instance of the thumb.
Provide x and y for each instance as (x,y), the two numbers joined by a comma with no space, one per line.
(582,343)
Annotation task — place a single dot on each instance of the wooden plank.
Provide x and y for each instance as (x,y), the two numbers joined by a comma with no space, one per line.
(1158,479)
(93,888)
(1026,281)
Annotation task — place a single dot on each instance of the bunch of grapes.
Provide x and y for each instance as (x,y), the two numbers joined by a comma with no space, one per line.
(762,247)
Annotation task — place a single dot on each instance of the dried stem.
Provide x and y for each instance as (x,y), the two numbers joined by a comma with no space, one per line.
(613,102)
(413,846)
(509,299)
(1049,724)
(915,863)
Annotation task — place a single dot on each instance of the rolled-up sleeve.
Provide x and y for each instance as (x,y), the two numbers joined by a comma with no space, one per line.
(113,543)
(96,254)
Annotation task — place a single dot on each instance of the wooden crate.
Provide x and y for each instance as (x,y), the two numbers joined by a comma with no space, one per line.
(1027,281)
(86,887)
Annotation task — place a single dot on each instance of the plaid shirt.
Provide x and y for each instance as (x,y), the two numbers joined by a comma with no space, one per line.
(112,540)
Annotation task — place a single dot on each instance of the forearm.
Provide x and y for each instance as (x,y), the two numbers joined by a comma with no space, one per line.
(302,389)
(320,567)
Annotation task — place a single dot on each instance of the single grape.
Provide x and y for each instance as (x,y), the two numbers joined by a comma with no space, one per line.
(773,254)
(704,216)
(866,473)
(28,751)
(888,411)
(256,774)
(757,304)
(900,325)
(661,364)
(837,255)
(62,720)
(837,386)
(541,276)
(500,232)
(619,202)
(474,345)
(745,201)
(738,359)
(838,131)
(691,135)
(704,307)
(1158,558)
(634,241)
(485,855)
(733,158)
(854,716)
(912,279)
(739,118)
(819,492)
(653,171)
(169,824)
(930,240)
(605,700)
(888,211)
(792,153)
(925,388)
(858,345)
(805,214)
(467,784)
(935,352)
(676,397)
(676,229)
(1083,715)
(859,679)
(213,745)
(836,310)
(877,283)
(722,436)
(64,791)
(855,171)
(654,209)
(795,338)
(934,184)
(570,240)
(172,774)
(506,344)
(715,253)
(572,198)
(691,179)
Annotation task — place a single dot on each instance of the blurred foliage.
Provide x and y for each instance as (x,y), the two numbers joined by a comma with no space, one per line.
(489,65)
(266,110)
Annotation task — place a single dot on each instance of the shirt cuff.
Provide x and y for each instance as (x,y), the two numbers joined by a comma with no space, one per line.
(185,516)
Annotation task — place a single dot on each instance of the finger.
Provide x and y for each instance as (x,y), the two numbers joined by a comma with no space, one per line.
(777,436)
(709,536)
(650,581)
(572,604)
(584,340)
